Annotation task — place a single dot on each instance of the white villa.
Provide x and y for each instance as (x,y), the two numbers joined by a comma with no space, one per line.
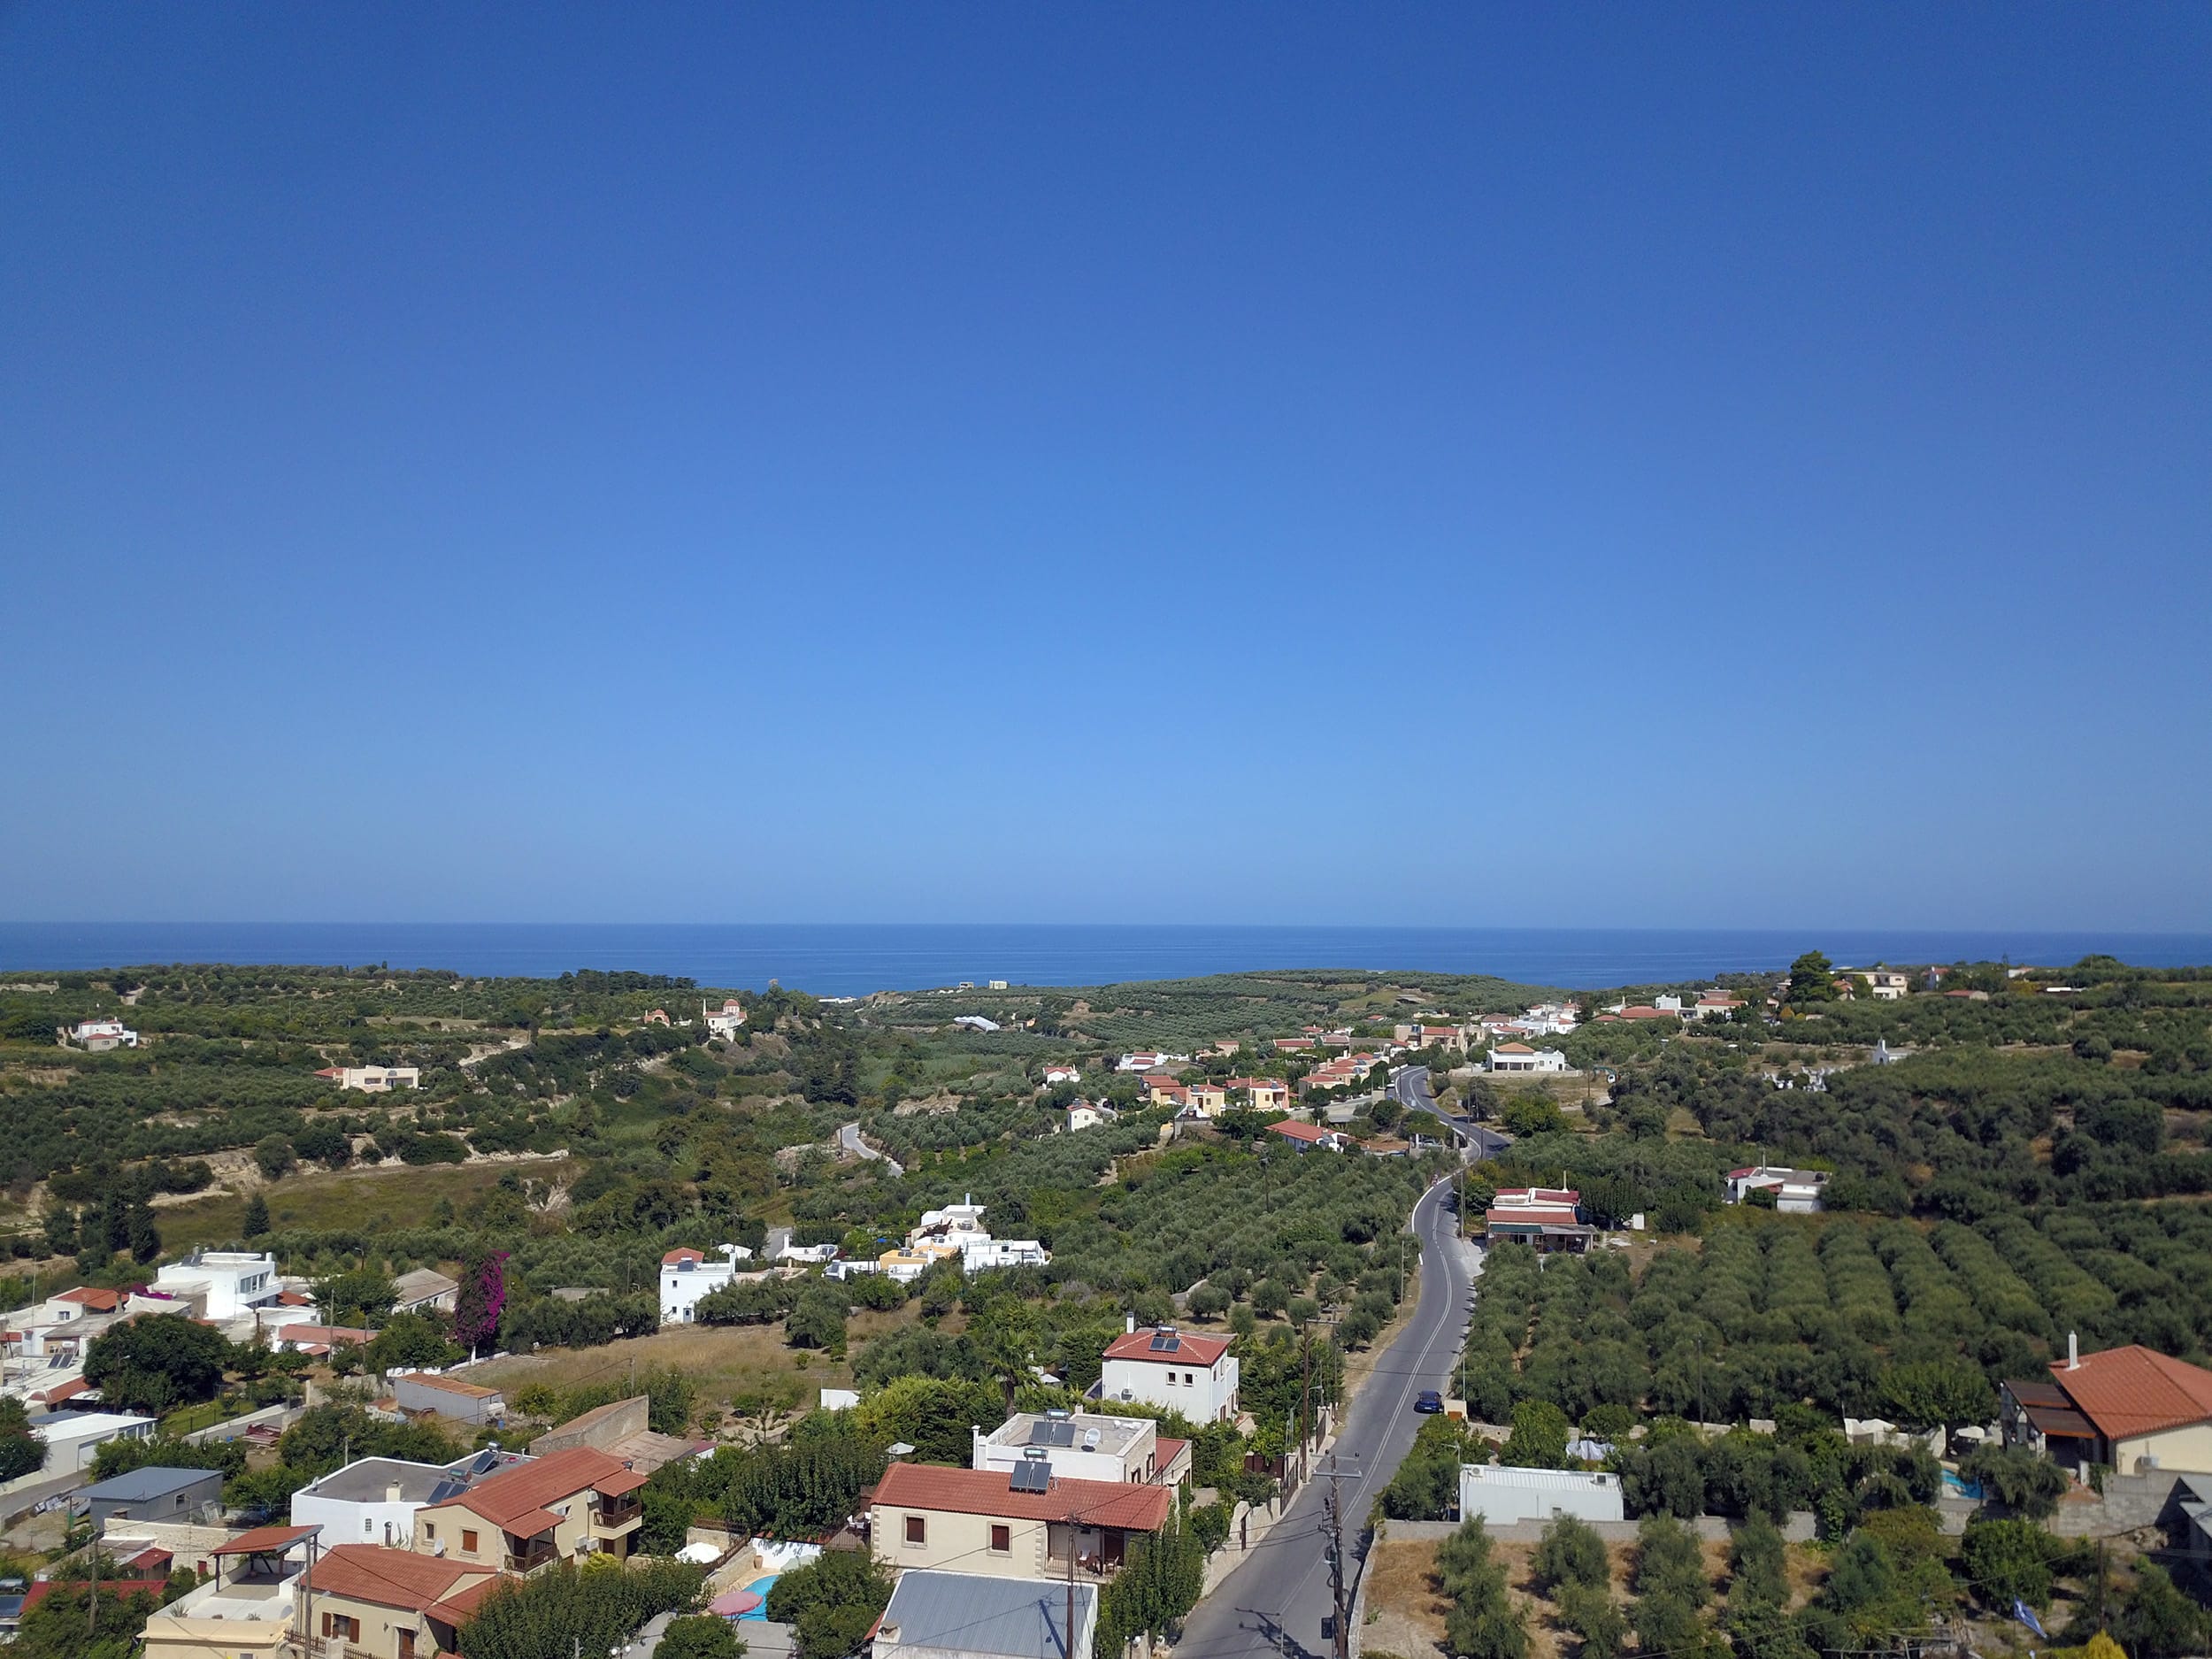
(955,1231)
(372,1080)
(227,1284)
(687,1275)
(726,1021)
(97,1036)
(1518,1056)
(1194,1375)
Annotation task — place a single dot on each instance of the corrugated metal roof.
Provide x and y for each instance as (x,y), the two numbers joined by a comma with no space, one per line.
(140,1485)
(971,1613)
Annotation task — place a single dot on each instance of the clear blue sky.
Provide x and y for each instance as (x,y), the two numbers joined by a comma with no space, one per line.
(1637,465)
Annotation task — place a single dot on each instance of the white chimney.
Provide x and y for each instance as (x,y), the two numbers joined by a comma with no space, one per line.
(2073,1352)
(392,1493)
(1130,1329)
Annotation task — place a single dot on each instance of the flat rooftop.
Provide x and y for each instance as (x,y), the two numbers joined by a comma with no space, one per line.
(370,1480)
(1071,1432)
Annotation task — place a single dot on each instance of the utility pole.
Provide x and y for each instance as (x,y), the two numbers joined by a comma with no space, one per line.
(1305,1397)
(1340,1586)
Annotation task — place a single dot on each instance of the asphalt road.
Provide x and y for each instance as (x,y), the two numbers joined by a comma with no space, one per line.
(849,1138)
(1410,1088)
(1278,1601)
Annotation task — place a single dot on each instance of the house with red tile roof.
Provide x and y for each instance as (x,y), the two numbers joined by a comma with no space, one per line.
(1305,1137)
(367,1598)
(1026,1522)
(2132,1409)
(575,1502)
(1181,1370)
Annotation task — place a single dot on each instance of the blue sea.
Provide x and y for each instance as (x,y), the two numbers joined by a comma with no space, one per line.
(854,959)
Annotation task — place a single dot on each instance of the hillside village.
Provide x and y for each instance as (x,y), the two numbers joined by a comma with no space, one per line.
(916,1310)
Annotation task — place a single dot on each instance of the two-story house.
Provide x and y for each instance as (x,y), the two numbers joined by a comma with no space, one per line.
(575,1502)
(688,1275)
(1025,1524)
(363,1598)
(1194,1375)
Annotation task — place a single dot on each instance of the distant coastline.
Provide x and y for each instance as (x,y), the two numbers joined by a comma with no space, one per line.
(854,959)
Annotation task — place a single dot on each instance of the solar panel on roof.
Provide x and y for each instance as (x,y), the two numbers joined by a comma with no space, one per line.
(1166,1343)
(1052,1435)
(1032,1477)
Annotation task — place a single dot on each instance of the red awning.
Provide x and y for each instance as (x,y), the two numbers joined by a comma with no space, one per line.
(264,1540)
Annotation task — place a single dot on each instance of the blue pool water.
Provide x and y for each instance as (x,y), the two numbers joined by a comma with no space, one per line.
(760,1588)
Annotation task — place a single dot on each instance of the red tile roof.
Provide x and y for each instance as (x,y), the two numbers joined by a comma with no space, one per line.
(687,1254)
(1137,1507)
(125,1587)
(1307,1132)
(1191,1350)
(99,1301)
(2128,1391)
(389,1578)
(515,1499)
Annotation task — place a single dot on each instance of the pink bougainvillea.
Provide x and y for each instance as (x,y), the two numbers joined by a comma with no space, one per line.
(483,1296)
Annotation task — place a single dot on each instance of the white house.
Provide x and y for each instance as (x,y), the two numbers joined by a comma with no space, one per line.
(1195,1375)
(372,1080)
(1146,1060)
(1714,1004)
(100,1035)
(817,1255)
(1518,1056)
(1063,1074)
(975,1022)
(1502,1495)
(230,1283)
(1886,986)
(1796,1192)
(978,1256)
(1083,1446)
(74,1438)
(727,1021)
(688,1274)
(374,1500)
(424,1289)
(1088,1115)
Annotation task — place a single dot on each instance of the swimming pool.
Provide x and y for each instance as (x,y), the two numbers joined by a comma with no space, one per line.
(760,1588)
(1954,1487)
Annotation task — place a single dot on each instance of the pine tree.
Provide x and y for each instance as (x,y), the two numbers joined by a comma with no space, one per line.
(145,1237)
(256,1222)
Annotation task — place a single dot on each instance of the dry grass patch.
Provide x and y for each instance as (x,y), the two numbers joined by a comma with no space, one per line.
(724,1363)
(361,1201)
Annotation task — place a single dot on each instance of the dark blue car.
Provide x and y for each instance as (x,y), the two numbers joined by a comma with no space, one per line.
(1428,1401)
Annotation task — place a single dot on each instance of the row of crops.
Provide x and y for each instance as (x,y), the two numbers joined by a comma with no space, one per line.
(1782,1309)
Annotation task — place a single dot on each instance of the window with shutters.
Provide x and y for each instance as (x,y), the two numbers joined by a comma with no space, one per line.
(1002,1541)
(917,1529)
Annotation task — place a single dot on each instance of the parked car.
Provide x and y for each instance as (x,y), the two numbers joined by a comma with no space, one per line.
(1428,1401)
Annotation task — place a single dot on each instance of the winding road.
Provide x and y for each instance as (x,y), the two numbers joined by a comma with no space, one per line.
(1278,1600)
(1410,1088)
(849,1136)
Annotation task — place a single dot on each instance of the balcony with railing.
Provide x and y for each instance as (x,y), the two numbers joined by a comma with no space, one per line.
(533,1556)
